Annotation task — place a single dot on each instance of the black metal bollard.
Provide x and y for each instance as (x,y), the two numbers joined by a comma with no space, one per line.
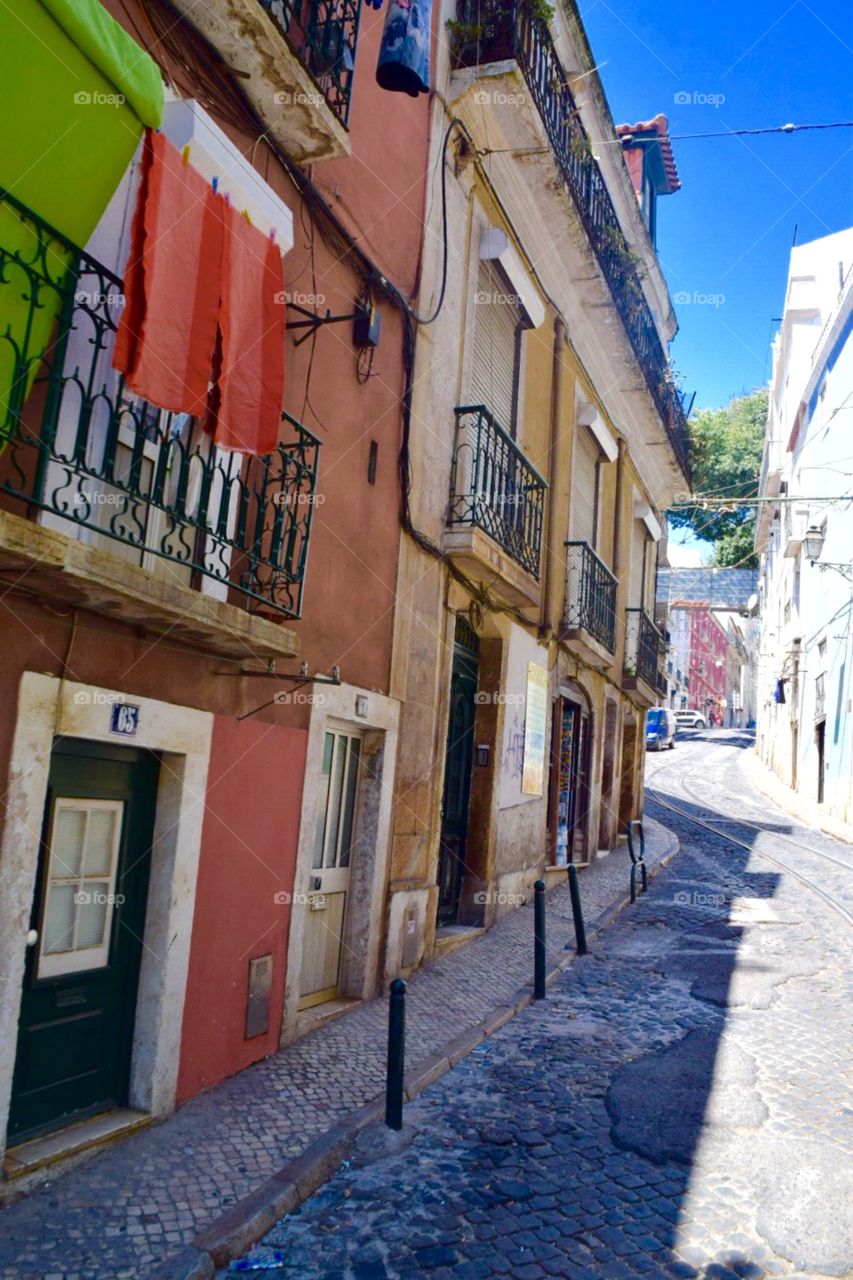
(637,861)
(577,913)
(396,1055)
(539,940)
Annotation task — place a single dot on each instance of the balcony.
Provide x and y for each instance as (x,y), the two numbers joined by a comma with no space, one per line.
(644,650)
(493,31)
(497,502)
(296,59)
(123,507)
(323,33)
(590,618)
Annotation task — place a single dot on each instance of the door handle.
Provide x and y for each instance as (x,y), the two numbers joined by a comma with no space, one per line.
(32,937)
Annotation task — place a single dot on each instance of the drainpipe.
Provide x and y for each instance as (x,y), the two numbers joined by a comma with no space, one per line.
(617,514)
(552,553)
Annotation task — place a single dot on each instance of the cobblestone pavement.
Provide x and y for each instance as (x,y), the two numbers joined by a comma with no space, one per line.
(675,1108)
(135,1204)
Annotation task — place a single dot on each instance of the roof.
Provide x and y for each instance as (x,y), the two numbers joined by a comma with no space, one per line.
(711,588)
(642,131)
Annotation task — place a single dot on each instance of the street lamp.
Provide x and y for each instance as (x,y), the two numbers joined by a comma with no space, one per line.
(813,540)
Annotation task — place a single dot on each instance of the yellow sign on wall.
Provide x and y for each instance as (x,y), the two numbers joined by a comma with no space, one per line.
(535,723)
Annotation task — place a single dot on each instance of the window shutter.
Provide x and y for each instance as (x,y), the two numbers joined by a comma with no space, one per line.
(638,539)
(584,486)
(493,365)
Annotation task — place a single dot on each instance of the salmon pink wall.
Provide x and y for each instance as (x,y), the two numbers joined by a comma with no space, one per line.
(248,855)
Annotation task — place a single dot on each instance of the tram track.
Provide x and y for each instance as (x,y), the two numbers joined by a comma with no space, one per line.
(655,796)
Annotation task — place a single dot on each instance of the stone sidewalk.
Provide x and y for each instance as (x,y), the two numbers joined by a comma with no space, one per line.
(160,1203)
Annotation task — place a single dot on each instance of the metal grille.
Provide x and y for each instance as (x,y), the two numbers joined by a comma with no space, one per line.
(590,594)
(493,486)
(109,469)
(323,34)
(644,649)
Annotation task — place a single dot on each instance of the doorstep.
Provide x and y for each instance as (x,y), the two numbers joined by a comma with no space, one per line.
(452,936)
(70,1141)
(319,1015)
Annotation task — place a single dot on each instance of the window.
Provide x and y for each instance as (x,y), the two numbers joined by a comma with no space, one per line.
(336,808)
(81,873)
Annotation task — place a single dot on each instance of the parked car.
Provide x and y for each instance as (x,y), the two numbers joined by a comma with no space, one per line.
(690,719)
(661,728)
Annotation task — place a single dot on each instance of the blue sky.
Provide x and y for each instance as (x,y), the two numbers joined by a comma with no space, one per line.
(725,237)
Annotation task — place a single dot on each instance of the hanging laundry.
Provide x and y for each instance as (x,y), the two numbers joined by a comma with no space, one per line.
(779,691)
(404,54)
(248,390)
(164,345)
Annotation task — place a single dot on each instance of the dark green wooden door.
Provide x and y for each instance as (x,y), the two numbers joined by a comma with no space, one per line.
(457,774)
(79,995)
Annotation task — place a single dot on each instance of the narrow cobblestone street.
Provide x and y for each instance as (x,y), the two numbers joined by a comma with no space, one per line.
(676,1107)
(136,1204)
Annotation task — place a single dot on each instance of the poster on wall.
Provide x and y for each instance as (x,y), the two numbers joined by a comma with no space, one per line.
(535,723)
(522,652)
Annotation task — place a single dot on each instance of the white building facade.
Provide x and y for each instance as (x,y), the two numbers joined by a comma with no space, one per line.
(805,533)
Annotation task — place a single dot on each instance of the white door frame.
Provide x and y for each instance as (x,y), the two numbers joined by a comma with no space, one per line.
(49,707)
(338,707)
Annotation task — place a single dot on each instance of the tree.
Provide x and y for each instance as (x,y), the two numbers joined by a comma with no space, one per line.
(726,447)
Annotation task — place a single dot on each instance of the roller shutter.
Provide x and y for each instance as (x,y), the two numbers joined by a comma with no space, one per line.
(493,364)
(585,487)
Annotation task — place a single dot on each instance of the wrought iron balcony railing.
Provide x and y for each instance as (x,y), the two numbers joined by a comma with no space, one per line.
(499,30)
(644,648)
(493,486)
(323,34)
(590,594)
(96,462)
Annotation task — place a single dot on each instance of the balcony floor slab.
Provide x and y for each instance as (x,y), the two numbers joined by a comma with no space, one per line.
(53,565)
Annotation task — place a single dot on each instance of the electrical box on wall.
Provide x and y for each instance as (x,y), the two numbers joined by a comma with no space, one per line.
(366,327)
(411,937)
(258,1003)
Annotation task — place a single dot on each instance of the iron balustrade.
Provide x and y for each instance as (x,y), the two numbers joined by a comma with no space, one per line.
(493,486)
(590,594)
(644,647)
(92,460)
(499,30)
(323,35)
